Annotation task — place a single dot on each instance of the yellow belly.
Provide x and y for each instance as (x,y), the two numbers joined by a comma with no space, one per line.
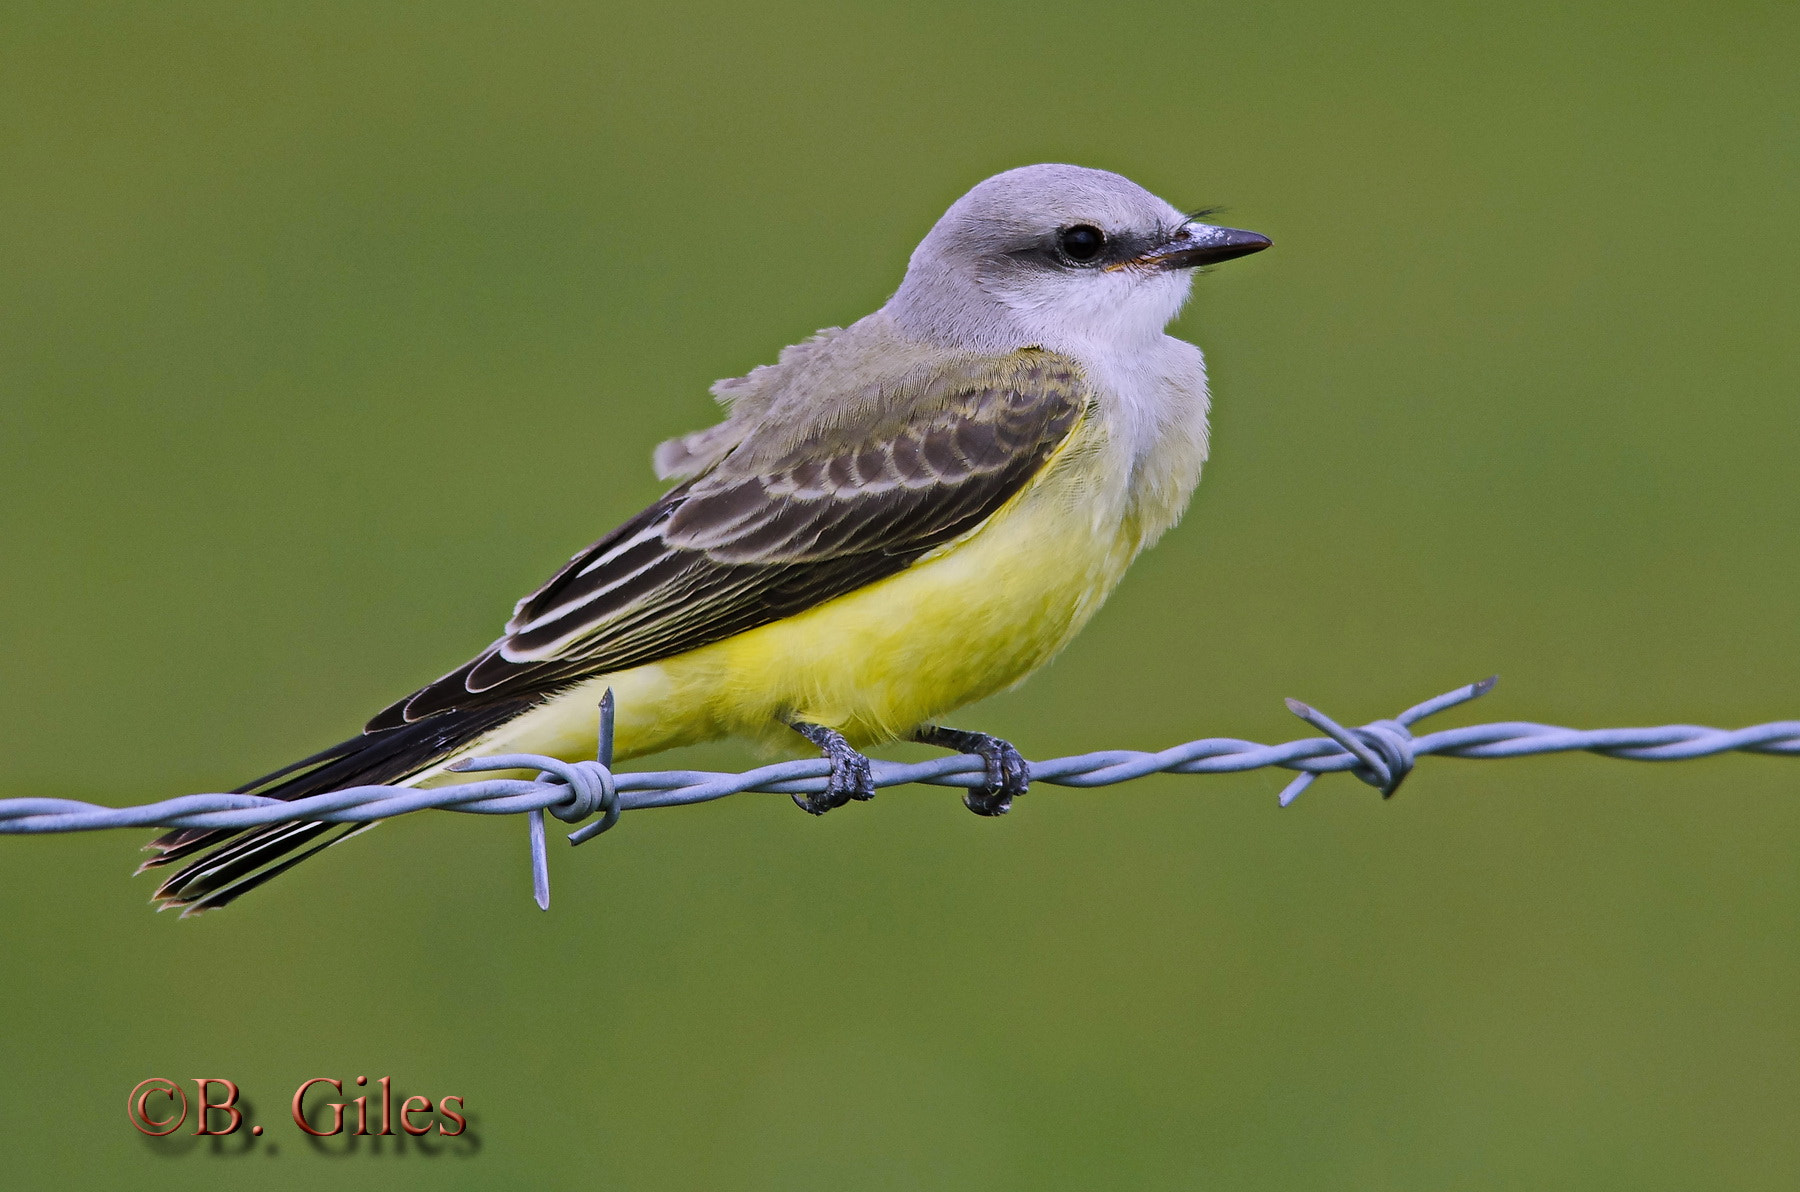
(971,619)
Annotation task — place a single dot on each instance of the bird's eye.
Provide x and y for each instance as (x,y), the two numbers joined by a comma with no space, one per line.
(1082,242)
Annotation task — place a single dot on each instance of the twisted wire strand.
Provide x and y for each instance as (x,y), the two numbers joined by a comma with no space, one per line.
(1381,754)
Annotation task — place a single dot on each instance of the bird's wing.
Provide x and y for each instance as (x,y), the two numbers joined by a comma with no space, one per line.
(759,538)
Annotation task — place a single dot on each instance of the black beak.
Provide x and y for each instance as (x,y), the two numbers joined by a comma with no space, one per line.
(1202,244)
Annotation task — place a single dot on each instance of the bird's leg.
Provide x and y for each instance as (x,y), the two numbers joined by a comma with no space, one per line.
(850,777)
(1008,775)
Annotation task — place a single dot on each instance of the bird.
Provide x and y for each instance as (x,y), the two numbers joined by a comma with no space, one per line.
(896,518)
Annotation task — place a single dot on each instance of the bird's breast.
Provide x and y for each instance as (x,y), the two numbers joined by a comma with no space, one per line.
(1154,398)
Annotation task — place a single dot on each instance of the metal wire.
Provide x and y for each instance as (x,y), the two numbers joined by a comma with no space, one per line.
(1381,753)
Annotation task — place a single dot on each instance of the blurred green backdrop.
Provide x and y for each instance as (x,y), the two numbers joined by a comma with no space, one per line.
(326,330)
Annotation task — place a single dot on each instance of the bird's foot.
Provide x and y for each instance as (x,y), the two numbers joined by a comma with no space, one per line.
(850,775)
(1008,774)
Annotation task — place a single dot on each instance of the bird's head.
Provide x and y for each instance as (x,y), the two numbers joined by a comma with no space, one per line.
(1058,255)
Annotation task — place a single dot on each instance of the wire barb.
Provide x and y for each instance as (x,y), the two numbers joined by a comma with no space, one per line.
(1381,754)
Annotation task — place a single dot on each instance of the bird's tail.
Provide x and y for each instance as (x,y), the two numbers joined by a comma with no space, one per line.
(224,864)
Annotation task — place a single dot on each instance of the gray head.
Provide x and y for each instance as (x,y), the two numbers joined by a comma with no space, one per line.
(1057,255)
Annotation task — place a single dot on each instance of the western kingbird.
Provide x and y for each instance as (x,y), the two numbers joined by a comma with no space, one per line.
(894,519)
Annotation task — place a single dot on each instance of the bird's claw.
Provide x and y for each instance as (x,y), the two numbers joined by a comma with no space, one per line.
(851,776)
(1008,778)
(1008,774)
(850,779)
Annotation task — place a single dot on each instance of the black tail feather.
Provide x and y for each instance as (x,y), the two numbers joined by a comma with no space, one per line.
(219,897)
(243,855)
(232,863)
(182,842)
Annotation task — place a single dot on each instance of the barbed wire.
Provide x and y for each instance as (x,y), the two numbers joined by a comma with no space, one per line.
(1381,754)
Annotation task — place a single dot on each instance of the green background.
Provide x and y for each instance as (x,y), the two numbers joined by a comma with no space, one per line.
(326,330)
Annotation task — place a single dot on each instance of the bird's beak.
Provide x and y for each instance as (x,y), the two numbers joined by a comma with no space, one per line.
(1200,244)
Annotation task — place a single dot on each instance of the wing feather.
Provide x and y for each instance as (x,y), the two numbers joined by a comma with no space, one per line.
(751,540)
